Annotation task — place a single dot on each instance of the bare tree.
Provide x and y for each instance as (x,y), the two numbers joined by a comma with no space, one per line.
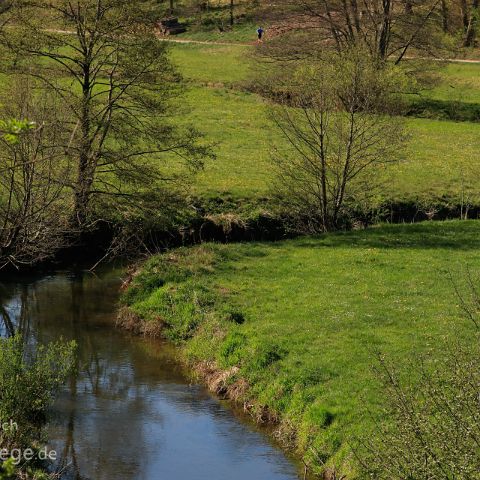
(339,138)
(34,202)
(388,29)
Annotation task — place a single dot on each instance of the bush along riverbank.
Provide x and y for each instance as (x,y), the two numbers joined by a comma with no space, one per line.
(290,329)
(29,381)
(223,220)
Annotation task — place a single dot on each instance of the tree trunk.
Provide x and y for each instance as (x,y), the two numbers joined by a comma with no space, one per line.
(356,15)
(384,39)
(232,18)
(464,9)
(445,16)
(348,21)
(84,174)
(471,34)
(332,26)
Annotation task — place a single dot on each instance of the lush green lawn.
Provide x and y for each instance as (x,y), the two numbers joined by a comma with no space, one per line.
(245,33)
(315,311)
(238,124)
(459,82)
(442,158)
(213,65)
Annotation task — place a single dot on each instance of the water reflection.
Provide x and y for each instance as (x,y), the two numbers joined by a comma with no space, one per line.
(128,412)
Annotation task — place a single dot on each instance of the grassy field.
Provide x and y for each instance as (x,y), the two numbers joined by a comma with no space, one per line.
(459,82)
(302,319)
(244,33)
(441,162)
(212,65)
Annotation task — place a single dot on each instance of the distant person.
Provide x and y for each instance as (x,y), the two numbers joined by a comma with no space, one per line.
(260,33)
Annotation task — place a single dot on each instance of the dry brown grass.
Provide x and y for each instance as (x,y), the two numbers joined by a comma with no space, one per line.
(131,322)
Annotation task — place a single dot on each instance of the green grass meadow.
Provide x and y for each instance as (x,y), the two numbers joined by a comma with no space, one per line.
(459,82)
(304,319)
(441,160)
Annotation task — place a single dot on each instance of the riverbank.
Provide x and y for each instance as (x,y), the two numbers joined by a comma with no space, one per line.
(290,329)
(224,221)
(231,198)
(128,411)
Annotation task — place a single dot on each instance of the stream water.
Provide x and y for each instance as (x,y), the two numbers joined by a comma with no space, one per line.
(129,413)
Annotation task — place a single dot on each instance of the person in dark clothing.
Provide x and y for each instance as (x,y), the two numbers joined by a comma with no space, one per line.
(260,33)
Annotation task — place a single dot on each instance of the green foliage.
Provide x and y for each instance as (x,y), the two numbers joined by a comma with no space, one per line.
(235,317)
(11,129)
(7,470)
(174,267)
(28,382)
(166,290)
(433,426)
(111,72)
(231,351)
(180,308)
(266,354)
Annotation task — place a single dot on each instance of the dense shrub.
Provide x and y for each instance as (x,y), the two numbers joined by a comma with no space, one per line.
(29,379)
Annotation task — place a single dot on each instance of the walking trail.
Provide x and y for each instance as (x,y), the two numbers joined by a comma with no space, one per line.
(245,44)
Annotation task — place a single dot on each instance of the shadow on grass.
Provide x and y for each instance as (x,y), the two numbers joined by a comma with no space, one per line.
(449,235)
(457,111)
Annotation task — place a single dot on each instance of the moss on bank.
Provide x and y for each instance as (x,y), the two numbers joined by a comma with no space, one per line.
(290,329)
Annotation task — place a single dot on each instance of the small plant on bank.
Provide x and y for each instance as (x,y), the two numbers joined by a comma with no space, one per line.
(29,380)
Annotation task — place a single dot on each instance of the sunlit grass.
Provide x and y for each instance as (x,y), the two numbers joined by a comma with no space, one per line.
(459,82)
(441,161)
(316,312)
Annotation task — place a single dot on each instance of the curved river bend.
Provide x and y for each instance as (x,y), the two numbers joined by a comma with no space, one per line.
(129,413)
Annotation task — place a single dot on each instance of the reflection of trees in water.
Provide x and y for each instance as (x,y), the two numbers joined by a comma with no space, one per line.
(15,312)
(7,321)
(123,400)
(80,307)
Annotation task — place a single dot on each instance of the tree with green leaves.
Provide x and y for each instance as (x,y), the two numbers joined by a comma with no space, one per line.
(103,60)
(29,380)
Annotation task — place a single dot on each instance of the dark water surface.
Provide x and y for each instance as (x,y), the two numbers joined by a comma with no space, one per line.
(129,413)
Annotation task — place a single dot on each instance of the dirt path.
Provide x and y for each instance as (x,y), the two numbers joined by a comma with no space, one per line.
(204,42)
(233,44)
(210,42)
(171,40)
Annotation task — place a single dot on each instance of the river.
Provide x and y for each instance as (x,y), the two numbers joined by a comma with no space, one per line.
(130,413)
